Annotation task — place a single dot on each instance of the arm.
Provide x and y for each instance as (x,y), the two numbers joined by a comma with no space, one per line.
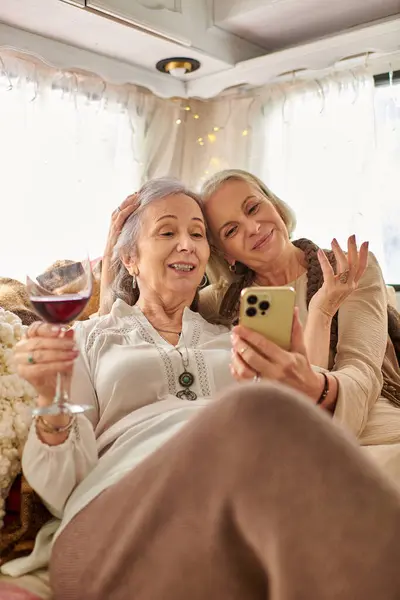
(361,349)
(54,464)
(118,219)
(329,298)
(317,335)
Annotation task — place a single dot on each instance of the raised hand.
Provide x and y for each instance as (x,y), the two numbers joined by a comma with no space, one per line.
(118,218)
(337,287)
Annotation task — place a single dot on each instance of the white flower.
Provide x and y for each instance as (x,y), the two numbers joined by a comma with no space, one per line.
(16,400)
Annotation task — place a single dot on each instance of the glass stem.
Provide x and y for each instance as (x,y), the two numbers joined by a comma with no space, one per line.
(61,395)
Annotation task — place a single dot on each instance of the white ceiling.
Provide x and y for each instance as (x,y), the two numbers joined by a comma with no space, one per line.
(279,24)
(237,41)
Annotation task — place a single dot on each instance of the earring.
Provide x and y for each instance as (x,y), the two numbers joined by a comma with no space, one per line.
(134,282)
(203,282)
(232,268)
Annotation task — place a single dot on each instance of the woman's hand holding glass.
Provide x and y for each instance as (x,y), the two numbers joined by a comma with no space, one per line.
(45,351)
(253,357)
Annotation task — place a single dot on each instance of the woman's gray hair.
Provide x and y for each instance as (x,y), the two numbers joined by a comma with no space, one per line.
(218,268)
(151,191)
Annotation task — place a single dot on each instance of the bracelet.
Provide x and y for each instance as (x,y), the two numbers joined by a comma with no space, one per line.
(47,427)
(325,391)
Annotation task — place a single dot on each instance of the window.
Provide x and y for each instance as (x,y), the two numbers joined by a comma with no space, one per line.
(387,114)
(332,151)
(66,162)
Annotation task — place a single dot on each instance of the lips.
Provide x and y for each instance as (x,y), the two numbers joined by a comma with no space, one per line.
(260,243)
(182,267)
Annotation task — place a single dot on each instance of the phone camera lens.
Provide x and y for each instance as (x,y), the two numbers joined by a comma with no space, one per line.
(252,300)
(264,305)
(251,312)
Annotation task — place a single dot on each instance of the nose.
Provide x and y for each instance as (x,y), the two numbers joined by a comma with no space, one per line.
(252,227)
(185,243)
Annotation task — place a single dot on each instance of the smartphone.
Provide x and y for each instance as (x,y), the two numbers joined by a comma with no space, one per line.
(269,311)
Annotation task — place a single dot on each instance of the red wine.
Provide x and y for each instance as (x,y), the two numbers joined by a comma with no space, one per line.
(59,309)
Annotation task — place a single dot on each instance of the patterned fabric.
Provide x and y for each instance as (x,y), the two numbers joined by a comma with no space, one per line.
(17,537)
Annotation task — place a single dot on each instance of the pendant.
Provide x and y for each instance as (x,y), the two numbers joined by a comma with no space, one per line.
(186,379)
(187,395)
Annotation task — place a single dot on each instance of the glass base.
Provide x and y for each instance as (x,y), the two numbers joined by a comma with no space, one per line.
(61,408)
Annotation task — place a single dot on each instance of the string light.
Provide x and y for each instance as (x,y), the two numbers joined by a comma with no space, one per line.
(209,137)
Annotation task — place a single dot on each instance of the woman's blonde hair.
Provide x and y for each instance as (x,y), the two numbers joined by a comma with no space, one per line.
(218,268)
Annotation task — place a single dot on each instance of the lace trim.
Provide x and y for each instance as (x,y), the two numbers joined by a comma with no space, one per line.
(167,363)
(202,370)
(204,380)
(169,369)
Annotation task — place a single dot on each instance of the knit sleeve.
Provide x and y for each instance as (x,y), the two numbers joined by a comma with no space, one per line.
(361,348)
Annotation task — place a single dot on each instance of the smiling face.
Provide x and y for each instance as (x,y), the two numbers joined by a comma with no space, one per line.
(172,249)
(245,225)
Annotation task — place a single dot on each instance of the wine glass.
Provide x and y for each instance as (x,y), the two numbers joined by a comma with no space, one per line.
(58,296)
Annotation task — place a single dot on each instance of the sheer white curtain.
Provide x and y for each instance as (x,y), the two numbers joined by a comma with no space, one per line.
(332,158)
(214,135)
(71,147)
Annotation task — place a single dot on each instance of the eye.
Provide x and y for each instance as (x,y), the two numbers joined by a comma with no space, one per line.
(253,209)
(197,235)
(230,232)
(167,233)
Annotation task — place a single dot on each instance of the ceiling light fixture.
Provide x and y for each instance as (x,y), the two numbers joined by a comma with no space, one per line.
(177,67)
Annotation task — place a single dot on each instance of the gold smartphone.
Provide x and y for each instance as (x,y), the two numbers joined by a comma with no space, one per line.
(269,311)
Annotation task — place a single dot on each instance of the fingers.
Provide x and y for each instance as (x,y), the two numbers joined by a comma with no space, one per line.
(362,261)
(341,259)
(326,266)
(240,369)
(45,330)
(44,371)
(45,356)
(264,347)
(352,254)
(127,207)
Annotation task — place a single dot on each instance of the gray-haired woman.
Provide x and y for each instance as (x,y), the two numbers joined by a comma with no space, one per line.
(167,489)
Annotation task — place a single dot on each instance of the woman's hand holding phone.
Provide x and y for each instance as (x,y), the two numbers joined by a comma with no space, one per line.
(255,356)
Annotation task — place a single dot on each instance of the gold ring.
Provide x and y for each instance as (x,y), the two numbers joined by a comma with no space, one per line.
(344,277)
(243,350)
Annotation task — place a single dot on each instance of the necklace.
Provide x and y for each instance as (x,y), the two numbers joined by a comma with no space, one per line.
(168,331)
(186,379)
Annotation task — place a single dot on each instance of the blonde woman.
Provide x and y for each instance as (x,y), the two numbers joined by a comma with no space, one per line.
(342,304)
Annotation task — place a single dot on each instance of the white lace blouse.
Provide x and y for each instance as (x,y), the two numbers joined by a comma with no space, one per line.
(130,375)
